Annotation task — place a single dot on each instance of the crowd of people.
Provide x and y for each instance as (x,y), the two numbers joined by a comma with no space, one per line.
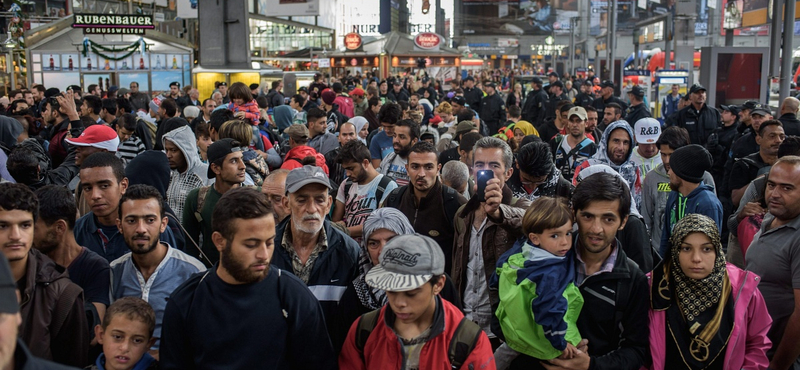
(368,223)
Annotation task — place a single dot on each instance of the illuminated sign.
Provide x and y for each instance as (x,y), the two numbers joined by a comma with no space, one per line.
(427,40)
(352,41)
(113,24)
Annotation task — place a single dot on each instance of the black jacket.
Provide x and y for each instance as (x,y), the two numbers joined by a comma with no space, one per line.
(637,112)
(700,123)
(791,125)
(534,109)
(583,100)
(398,96)
(493,112)
(473,97)
(275,98)
(548,129)
(24,360)
(552,105)
(719,145)
(600,105)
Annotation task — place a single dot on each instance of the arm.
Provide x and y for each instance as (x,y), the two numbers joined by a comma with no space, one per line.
(789,348)
(758,325)
(273,158)
(71,344)
(549,310)
(338,209)
(190,222)
(481,356)
(736,195)
(350,358)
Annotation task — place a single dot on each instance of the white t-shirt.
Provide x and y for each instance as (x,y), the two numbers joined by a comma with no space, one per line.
(395,167)
(361,200)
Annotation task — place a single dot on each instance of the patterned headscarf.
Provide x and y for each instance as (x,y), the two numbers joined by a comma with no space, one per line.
(383,218)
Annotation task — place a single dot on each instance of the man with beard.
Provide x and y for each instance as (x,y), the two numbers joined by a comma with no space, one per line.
(309,243)
(571,149)
(769,138)
(243,313)
(406,134)
(59,115)
(153,269)
(362,191)
(592,131)
(607,97)
(612,113)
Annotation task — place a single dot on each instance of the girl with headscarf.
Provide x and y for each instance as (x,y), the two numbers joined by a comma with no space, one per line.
(362,128)
(705,313)
(380,226)
(522,129)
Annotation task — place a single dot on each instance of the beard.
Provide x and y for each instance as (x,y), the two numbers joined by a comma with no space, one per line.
(136,249)
(49,244)
(237,269)
(299,223)
(403,151)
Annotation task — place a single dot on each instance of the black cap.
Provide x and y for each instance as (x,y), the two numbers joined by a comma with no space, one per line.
(398,83)
(750,104)
(469,78)
(559,84)
(490,84)
(51,92)
(731,108)
(696,88)
(553,74)
(74,88)
(607,83)
(761,110)
(253,86)
(536,80)
(174,83)
(219,150)
(303,89)
(223,84)
(636,91)
(459,100)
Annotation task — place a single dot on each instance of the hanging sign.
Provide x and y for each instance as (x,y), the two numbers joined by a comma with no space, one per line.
(113,24)
(428,41)
(352,41)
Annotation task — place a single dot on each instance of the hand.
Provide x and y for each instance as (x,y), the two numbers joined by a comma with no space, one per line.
(569,352)
(262,154)
(579,362)
(751,209)
(583,345)
(494,196)
(239,115)
(68,106)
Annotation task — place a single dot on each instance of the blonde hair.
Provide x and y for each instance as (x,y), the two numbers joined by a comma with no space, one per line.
(237,130)
(444,108)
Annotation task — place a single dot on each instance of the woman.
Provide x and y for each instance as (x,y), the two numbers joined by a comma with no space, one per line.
(705,314)
(515,97)
(362,128)
(522,129)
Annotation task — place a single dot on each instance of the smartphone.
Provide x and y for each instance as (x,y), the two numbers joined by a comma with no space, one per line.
(481,178)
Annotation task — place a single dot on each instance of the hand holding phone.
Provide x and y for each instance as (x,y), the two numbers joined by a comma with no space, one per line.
(481,178)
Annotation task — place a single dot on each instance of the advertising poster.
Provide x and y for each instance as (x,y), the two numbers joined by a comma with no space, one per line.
(69,62)
(51,62)
(158,62)
(89,62)
(126,64)
(517,17)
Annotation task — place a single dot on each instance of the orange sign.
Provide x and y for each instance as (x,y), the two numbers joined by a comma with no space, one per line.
(352,41)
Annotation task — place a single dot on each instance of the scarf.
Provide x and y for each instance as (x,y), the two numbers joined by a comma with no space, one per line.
(383,218)
(526,128)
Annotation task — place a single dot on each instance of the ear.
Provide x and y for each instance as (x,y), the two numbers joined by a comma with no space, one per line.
(61,227)
(758,139)
(509,172)
(119,224)
(164,223)
(98,333)
(366,162)
(439,167)
(123,185)
(534,238)
(439,286)
(624,221)
(285,201)
(219,241)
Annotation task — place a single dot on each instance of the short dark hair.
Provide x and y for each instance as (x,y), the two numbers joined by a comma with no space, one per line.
(142,192)
(170,107)
(373,101)
(789,146)
(390,113)
(201,130)
(535,159)
(299,99)
(422,147)
(23,165)
(767,123)
(413,127)
(262,102)
(465,115)
(219,117)
(353,151)
(276,83)
(674,137)
(91,87)
(242,203)
(564,106)
(617,108)
(105,159)
(57,203)
(128,122)
(602,187)
(94,103)
(514,111)
(315,113)
(18,197)
(468,140)
(134,309)
(124,105)
(110,105)
(55,106)
(590,108)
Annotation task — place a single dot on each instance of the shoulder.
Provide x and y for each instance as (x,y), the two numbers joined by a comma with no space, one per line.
(119,262)
(185,260)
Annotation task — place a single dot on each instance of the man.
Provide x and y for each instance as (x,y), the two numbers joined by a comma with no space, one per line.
(336,171)
(175,94)
(472,94)
(200,318)
(109,112)
(398,93)
(217,98)
(255,90)
(745,144)
(207,108)
(321,140)
(585,97)
(455,174)
(94,139)
(429,205)
(193,98)
(571,149)
(331,108)
(324,258)
(54,237)
(59,116)
(612,113)
(788,116)
(134,87)
(274,187)
(656,189)
(130,145)
(493,109)
(536,174)
(771,256)
(275,95)
(53,321)
(592,131)
(645,154)
(466,148)
(769,139)
(689,194)
(616,326)
(556,96)
(406,134)
(188,172)
(721,140)
(698,118)
(102,183)
(94,90)
(637,110)
(152,269)
(670,103)
(344,101)
(552,78)
(226,166)
(607,97)
(359,101)
(485,228)
(557,124)
(363,190)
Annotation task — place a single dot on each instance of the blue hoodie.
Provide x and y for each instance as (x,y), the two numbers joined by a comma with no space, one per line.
(701,200)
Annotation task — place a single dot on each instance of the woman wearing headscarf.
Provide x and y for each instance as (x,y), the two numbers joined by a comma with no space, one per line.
(283,116)
(380,226)
(705,313)
(362,128)
(522,129)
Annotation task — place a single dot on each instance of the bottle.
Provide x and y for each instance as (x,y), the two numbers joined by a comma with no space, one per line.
(158,62)
(52,63)
(174,63)
(70,62)
(107,66)
(124,64)
(141,63)
(89,64)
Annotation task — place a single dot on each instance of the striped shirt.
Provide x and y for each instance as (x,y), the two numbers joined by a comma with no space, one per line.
(129,149)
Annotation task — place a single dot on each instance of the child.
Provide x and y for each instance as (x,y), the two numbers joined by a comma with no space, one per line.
(126,334)
(203,135)
(243,105)
(539,302)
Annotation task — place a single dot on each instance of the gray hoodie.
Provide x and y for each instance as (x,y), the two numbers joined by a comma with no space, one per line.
(655,192)
(196,174)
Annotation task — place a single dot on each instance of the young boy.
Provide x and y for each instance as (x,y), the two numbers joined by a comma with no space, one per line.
(539,302)
(203,136)
(126,334)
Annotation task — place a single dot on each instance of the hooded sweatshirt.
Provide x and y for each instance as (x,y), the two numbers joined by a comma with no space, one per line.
(628,169)
(701,200)
(283,117)
(196,174)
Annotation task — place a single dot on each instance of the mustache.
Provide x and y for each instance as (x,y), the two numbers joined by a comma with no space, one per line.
(312,218)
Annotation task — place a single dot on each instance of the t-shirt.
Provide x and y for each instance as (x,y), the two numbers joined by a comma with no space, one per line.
(645,164)
(380,146)
(90,271)
(361,200)
(395,167)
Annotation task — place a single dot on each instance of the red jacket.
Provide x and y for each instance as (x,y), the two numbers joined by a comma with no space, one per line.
(346,106)
(295,156)
(383,349)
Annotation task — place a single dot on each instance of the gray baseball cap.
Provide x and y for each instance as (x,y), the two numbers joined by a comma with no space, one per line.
(302,176)
(406,263)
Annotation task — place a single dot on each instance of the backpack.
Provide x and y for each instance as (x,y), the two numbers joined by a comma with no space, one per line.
(461,345)
(151,127)
(382,184)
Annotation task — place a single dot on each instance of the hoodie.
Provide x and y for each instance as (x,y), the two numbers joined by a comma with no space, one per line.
(196,174)
(10,129)
(701,200)
(628,169)
(283,116)
(431,131)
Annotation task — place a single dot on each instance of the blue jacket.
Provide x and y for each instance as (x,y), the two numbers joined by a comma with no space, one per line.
(87,234)
(701,200)
(334,269)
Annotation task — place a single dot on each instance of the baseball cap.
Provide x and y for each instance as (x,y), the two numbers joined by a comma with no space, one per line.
(397,83)
(469,78)
(174,83)
(8,288)
(607,83)
(637,91)
(123,91)
(357,92)
(553,74)
(223,84)
(536,80)
(297,132)
(302,176)
(253,86)
(734,109)
(558,83)
(577,111)
(465,126)
(460,100)
(97,136)
(113,88)
(407,262)
(647,130)
(750,104)
(695,88)
(761,110)
(303,89)
(219,150)
(490,84)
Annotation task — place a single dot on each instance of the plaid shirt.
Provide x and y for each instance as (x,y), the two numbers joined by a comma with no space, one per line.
(180,184)
(303,270)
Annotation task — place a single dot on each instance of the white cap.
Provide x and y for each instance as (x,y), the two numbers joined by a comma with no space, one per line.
(647,131)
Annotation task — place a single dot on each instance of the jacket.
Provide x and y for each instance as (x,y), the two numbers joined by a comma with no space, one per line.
(382,349)
(719,145)
(498,237)
(701,200)
(670,105)
(147,362)
(534,109)
(324,142)
(335,118)
(554,186)
(402,95)
(196,174)
(58,146)
(791,125)
(346,105)
(49,292)
(748,344)
(62,175)
(24,360)
(294,158)
(699,123)
(473,97)
(583,99)
(251,113)
(637,112)
(493,112)
(584,150)
(600,104)
(333,269)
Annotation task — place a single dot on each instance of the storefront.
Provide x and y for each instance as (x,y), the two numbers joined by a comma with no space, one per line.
(60,54)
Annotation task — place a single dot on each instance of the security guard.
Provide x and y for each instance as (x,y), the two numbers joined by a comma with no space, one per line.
(606,97)
(493,109)
(535,104)
(556,95)
(585,97)
(638,109)
(472,94)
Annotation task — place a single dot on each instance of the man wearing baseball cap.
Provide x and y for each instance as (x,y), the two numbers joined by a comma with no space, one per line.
(571,149)
(411,271)
(645,154)
(472,94)
(720,141)
(698,118)
(606,97)
(398,93)
(492,108)
(534,108)
(359,101)
(94,139)
(637,110)
(556,95)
